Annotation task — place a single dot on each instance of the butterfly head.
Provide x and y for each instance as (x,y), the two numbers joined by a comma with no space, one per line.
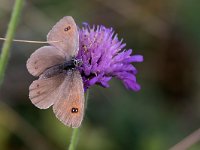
(77,62)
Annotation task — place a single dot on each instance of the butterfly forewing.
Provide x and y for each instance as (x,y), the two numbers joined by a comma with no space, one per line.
(44,92)
(65,31)
(69,109)
(43,58)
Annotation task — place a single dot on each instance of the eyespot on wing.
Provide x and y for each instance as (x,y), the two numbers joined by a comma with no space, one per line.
(69,109)
(65,31)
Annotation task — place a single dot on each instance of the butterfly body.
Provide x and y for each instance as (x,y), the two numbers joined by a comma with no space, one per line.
(60,84)
(61,68)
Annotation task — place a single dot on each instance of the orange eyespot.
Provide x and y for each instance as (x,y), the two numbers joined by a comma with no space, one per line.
(67,28)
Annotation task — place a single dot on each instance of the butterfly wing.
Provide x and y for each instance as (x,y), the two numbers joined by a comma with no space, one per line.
(69,108)
(66,32)
(44,92)
(44,58)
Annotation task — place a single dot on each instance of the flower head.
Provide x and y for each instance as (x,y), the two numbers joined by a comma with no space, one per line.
(104,56)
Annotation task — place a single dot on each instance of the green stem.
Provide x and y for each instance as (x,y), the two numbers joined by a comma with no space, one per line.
(4,57)
(75,132)
(74,139)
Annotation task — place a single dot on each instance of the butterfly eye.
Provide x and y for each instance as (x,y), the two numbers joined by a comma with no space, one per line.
(67,28)
(74,110)
(76,62)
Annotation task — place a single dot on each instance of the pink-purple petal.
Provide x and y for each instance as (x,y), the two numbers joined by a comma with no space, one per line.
(104,57)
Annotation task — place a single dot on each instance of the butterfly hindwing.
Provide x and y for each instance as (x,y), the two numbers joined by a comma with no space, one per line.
(69,108)
(44,92)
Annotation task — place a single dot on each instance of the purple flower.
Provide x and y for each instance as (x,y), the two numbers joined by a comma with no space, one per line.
(104,57)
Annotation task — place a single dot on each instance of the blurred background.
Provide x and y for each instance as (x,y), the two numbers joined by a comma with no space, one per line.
(167,109)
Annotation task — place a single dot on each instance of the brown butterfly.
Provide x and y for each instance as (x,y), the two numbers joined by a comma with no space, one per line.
(60,84)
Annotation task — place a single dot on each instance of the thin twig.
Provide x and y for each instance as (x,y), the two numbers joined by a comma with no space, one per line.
(188,141)
(30,41)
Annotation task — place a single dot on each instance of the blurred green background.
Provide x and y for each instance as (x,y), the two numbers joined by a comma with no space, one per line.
(167,109)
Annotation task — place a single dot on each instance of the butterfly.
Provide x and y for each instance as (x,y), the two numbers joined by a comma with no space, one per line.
(60,83)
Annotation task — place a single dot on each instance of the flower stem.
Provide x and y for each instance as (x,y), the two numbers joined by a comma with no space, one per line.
(4,57)
(75,132)
(74,139)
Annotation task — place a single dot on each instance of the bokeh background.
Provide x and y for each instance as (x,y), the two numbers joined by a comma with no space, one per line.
(167,109)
